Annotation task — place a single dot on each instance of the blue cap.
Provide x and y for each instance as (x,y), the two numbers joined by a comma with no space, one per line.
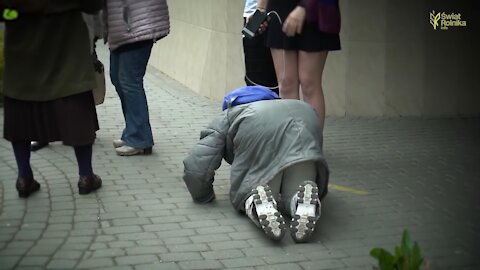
(247,94)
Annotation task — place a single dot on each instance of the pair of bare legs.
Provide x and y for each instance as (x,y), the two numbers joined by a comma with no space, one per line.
(297,69)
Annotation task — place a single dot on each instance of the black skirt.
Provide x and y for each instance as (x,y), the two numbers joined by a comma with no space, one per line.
(310,40)
(71,119)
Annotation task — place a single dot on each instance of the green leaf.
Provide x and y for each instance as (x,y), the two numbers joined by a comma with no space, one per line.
(398,253)
(406,245)
(407,256)
(385,259)
(416,258)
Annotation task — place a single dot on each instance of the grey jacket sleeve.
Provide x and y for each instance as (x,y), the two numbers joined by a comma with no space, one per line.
(202,161)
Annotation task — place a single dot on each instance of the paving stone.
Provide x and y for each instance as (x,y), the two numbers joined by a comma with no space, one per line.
(136,259)
(175,233)
(228,245)
(45,247)
(199,224)
(137,236)
(123,267)
(162,265)
(288,266)
(150,242)
(55,234)
(121,244)
(122,229)
(262,252)
(95,263)
(177,240)
(323,264)
(8,262)
(242,262)
(27,234)
(161,227)
(222,254)
(109,252)
(61,264)
(284,258)
(188,247)
(146,250)
(206,264)
(131,221)
(209,238)
(68,254)
(181,256)
(16,248)
(243,235)
(38,261)
(75,246)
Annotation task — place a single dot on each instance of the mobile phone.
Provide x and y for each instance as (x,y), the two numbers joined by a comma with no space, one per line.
(251,28)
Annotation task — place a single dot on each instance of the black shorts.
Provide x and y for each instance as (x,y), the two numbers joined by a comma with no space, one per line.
(311,39)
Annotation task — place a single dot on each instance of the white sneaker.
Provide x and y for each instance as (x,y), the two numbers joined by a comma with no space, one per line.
(307,208)
(118,143)
(261,208)
(131,151)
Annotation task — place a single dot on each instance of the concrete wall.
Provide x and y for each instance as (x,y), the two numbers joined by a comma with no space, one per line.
(392,62)
(204,49)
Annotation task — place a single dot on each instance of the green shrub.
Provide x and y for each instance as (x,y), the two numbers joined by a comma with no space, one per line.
(406,257)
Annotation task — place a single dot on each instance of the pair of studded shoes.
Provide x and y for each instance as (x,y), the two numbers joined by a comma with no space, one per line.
(86,184)
(261,207)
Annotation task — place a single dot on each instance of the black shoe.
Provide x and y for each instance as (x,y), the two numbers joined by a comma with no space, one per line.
(87,184)
(34,146)
(25,187)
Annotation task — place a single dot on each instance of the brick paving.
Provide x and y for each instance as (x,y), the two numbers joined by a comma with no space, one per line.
(389,174)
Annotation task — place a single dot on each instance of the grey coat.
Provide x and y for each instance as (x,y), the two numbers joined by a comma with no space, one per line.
(259,140)
(129,21)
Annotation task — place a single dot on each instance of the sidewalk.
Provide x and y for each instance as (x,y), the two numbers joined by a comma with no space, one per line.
(387,175)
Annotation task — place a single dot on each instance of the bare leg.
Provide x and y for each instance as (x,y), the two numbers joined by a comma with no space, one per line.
(286,64)
(310,71)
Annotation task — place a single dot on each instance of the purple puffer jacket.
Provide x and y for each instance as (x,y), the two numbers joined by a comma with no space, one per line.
(129,21)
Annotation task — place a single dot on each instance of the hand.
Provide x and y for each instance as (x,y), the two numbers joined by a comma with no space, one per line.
(262,28)
(294,23)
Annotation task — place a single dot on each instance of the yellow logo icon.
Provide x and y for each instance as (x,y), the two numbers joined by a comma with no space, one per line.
(434,18)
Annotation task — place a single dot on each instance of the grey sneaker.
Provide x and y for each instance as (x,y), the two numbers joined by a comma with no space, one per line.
(118,143)
(131,151)
(261,208)
(307,208)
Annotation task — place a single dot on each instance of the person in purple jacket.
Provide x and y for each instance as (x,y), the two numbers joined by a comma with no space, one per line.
(131,29)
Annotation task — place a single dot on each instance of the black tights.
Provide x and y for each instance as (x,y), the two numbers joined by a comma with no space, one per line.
(22,156)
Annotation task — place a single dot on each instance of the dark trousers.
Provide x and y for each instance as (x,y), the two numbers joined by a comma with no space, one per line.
(259,68)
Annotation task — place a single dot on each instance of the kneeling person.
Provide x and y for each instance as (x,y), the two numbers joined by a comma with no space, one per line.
(274,147)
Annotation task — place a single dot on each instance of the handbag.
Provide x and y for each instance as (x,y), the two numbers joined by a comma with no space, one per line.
(324,13)
(100,89)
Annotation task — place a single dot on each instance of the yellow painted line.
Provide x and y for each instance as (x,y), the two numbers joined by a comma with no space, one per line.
(347,189)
